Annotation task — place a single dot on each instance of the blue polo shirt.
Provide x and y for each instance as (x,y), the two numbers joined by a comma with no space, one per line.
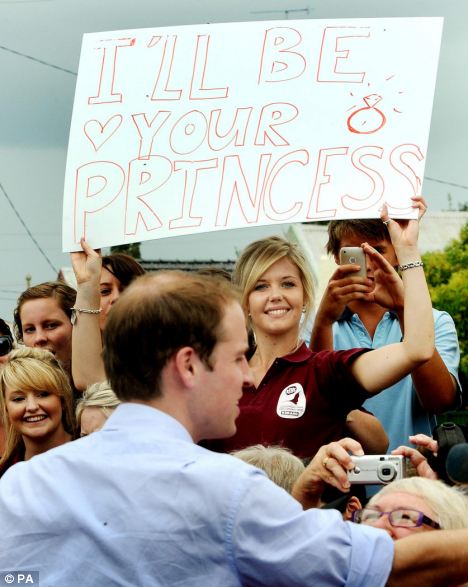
(398,406)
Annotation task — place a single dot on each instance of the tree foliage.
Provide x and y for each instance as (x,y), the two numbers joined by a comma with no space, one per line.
(447,276)
(132,249)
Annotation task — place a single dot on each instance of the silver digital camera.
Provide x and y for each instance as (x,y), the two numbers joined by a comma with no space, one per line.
(377,469)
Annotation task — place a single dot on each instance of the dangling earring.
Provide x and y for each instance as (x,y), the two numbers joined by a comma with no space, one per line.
(303,309)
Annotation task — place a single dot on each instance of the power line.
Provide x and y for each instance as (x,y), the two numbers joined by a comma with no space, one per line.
(455,185)
(23,1)
(286,11)
(38,60)
(26,228)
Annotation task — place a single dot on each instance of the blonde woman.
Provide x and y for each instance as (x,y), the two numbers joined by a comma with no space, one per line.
(36,403)
(93,409)
(301,399)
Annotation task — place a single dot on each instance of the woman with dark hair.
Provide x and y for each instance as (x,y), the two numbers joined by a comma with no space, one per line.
(118,271)
(36,405)
(43,319)
(100,281)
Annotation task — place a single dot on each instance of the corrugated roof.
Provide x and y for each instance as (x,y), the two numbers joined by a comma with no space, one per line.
(194,265)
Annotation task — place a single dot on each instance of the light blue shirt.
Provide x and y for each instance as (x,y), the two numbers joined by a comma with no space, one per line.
(398,407)
(139,504)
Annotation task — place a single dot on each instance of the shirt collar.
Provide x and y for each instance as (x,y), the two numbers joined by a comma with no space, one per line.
(347,314)
(134,416)
(300,355)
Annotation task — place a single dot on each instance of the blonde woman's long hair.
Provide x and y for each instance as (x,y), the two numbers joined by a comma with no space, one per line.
(31,369)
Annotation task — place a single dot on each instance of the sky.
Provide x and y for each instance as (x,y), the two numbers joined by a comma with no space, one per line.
(40,44)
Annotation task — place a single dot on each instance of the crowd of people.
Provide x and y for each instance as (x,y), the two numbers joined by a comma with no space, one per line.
(177,429)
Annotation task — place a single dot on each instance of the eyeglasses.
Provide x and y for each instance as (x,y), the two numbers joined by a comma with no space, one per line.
(401,518)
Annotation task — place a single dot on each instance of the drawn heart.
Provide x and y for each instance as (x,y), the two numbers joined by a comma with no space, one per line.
(99,133)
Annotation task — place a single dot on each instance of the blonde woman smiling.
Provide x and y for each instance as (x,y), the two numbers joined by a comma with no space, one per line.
(36,404)
(301,399)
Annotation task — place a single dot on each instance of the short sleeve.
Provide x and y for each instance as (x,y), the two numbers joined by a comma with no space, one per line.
(446,343)
(336,382)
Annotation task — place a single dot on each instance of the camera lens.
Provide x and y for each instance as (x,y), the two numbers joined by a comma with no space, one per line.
(386,472)
(5,345)
(448,426)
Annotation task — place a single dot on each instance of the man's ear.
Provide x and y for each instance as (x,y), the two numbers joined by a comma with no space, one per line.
(186,363)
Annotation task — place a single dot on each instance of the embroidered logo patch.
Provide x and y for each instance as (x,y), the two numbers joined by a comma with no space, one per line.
(292,402)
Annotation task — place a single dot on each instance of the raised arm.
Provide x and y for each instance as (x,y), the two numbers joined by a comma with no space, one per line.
(435,385)
(434,382)
(380,368)
(87,365)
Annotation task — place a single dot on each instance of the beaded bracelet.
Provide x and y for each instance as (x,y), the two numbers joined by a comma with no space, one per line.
(411,265)
(75,311)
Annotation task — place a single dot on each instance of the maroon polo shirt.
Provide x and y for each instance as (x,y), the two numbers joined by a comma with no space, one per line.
(301,403)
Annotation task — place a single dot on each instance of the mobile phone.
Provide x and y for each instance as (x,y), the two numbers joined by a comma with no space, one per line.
(354,256)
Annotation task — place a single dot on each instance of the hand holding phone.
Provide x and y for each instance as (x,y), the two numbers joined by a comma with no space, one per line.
(354,256)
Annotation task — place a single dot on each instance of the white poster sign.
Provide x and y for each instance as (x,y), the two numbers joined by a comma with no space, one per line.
(209,127)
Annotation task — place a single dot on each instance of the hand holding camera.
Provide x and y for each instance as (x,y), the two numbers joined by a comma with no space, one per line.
(444,456)
(329,467)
